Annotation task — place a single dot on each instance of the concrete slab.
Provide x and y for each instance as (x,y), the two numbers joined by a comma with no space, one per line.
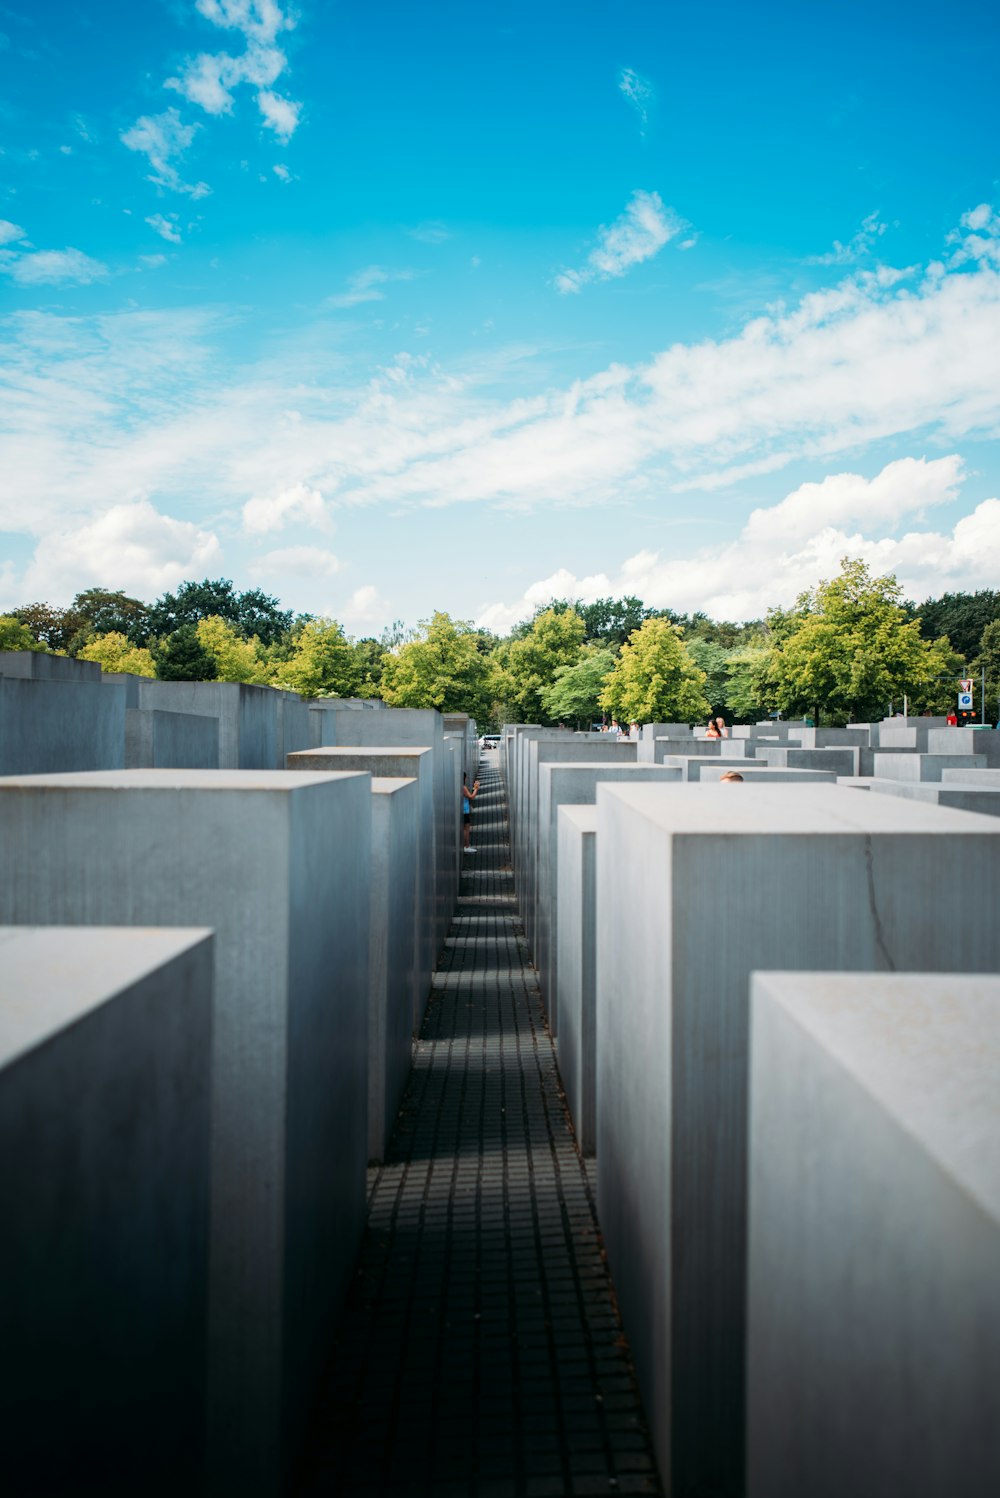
(279,865)
(407,763)
(38,665)
(965,741)
(984,777)
(697,886)
(982,799)
(691,766)
(247,716)
(842,761)
(768,774)
(575,968)
(105,1090)
(157,740)
(571,784)
(923,766)
(393,972)
(874,1237)
(48,725)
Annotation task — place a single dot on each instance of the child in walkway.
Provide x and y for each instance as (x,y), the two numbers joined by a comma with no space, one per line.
(467,799)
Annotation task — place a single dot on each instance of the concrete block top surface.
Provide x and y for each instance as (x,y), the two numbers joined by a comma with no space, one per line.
(174,780)
(339,753)
(582,817)
(390,785)
(925,1046)
(52,976)
(762,809)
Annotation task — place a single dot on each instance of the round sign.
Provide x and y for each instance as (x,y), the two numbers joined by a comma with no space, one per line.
(965,702)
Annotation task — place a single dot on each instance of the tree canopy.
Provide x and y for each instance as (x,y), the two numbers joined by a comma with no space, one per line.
(446,667)
(655,680)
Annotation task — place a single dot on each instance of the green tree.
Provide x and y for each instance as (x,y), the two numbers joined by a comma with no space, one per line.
(962,617)
(525,665)
(52,628)
(574,695)
(115,652)
(655,679)
(988,659)
(182,657)
(251,613)
(15,635)
(749,691)
(713,659)
(369,658)
(610,621)
(322,662)
(235,659)
(852,649)
(102,612)
(445,667)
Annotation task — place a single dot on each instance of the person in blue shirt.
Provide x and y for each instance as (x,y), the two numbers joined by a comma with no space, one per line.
(468,796)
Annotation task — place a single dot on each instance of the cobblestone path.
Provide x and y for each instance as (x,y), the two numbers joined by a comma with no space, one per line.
(480,1353)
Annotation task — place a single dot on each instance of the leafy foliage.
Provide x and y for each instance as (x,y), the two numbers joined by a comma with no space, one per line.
(988,659)
(251,613)
(235,659)
(115,652)
(183,657)
(525,666)
(445,667)
(322,663)
(963,617)
(655,679)
(575,693)
(853,649)
(15,635)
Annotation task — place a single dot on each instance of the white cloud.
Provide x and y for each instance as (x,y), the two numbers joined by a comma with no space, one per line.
(636,235)
(10,232)
(165,226)
(282,173)
(297,503)
(431,232)
(302,562)
(52,268)
(279,114)
(980,240)
(130,546)
(872,229)
(364,286)
(152,262)
(365,606)
(789,547)
(210,78)
(639,92)
(161,138)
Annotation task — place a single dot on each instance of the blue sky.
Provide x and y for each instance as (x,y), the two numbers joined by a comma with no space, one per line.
(389,308)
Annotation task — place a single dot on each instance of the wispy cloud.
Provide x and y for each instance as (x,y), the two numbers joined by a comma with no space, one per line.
(636,235)
(638,92)
(162,139)
(856,248)
(209,79)
(9,232)
(67,267)
(166,226)
(365,286)
(301,562)
(431,232)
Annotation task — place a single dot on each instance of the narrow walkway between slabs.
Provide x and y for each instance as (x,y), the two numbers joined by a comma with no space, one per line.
(480,1354)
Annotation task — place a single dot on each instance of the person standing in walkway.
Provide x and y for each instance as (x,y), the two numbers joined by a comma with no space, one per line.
(468,796)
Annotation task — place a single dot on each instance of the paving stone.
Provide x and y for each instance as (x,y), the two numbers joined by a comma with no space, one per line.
(480,1353)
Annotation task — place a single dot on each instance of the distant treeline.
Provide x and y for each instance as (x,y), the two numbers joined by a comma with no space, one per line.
(849,648)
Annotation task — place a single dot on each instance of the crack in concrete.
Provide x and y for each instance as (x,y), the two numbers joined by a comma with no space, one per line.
(880,941)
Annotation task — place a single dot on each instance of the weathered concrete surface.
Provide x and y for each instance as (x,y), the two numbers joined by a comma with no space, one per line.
(575,969)
(411,728)
(843,761)
(769,774)
(294,725)
(50,725)
(923,766)
(571,784)
(691,766)
(395,763)
(987,777)
(580,749)
(37,665)
(962,741)
(874,1236)
(105,1081)
(170,741)
(393,972)
(279,865)
(983,799)
(698,886)
(668,748)
(247,715)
